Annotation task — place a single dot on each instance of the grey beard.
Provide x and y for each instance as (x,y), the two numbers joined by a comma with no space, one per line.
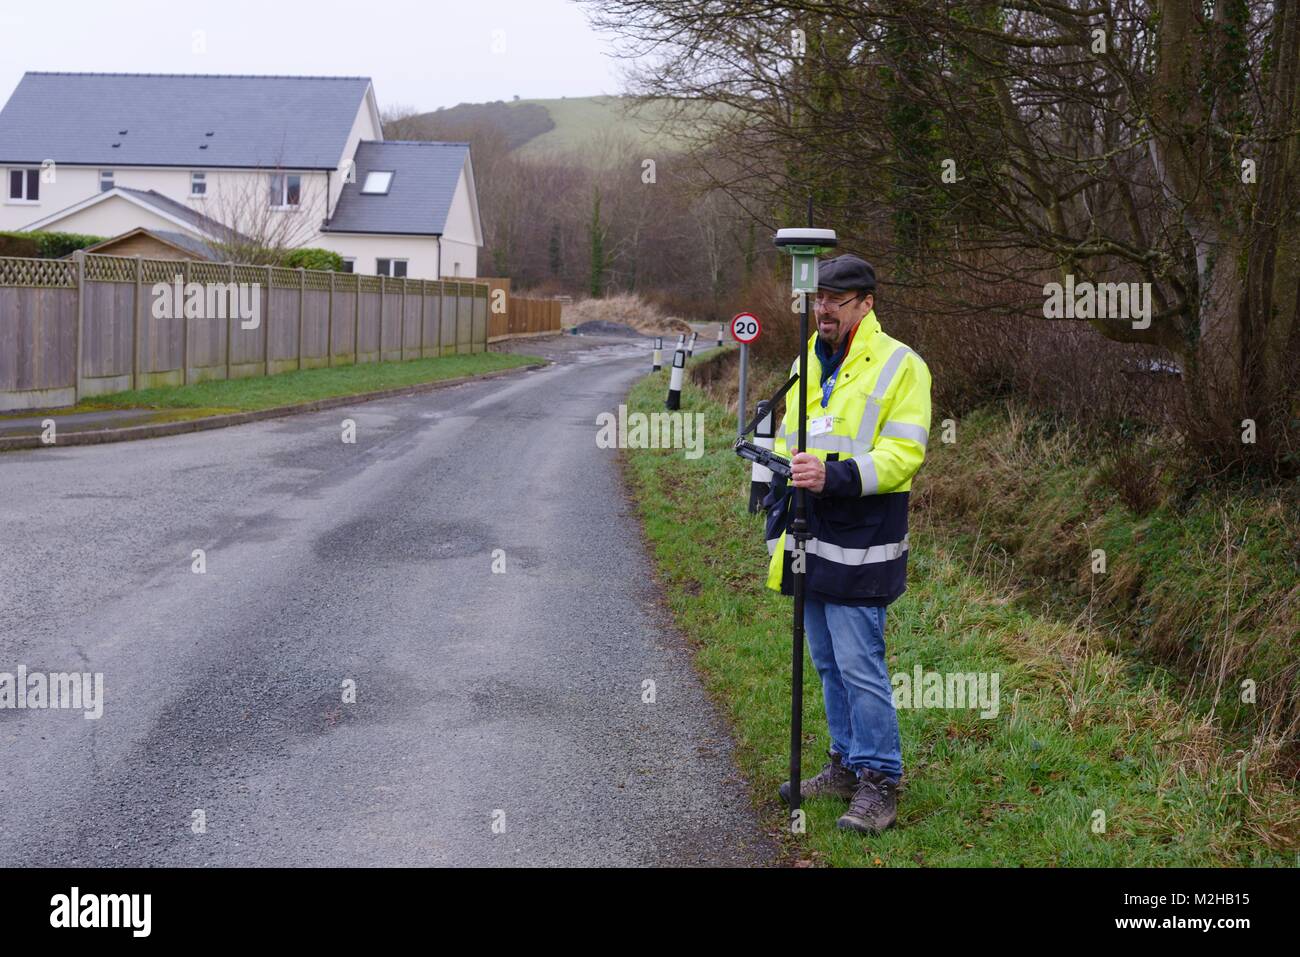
(833,343)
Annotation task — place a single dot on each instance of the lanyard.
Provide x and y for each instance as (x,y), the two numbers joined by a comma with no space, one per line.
(829,385)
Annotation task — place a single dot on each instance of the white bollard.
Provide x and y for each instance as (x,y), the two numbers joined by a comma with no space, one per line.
(761,475)
(675,382)
(659,344)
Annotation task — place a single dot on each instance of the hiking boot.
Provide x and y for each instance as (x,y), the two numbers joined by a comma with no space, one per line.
(834,780)
(874,806)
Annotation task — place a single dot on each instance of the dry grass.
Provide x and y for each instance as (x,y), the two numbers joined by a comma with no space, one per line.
(629,309)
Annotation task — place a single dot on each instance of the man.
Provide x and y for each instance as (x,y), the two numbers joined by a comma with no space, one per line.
(868,424)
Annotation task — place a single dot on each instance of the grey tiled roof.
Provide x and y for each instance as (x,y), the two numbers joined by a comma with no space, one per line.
(300,122)
(166,204)
(196,246)
(419,197)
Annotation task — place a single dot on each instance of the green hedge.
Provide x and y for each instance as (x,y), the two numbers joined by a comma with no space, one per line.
(41,245)
(314,258)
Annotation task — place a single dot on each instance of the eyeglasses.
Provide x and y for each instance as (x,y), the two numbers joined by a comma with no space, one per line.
(823,301)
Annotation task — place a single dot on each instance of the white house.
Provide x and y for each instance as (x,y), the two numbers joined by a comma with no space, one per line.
(296,161)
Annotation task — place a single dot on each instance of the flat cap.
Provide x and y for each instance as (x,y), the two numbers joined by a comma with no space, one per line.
(846,274)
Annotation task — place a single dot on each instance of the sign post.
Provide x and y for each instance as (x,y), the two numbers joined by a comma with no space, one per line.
(745,328)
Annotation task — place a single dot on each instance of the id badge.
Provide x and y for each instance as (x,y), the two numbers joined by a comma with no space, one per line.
(821,425)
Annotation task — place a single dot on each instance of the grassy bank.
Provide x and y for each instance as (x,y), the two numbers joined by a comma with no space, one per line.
(1089,761)
(1199,584)
(287,388)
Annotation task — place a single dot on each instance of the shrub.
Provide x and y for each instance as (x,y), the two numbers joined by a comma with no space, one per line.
(44,245)
(19,244)
(313,258)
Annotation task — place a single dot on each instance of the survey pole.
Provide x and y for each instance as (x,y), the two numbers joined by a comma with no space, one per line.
(804,246)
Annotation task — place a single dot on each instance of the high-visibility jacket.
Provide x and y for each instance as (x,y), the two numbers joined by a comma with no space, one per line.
(879,423)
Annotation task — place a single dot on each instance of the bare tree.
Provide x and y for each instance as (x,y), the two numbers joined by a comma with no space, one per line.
(261,227)
(402,122)
(1016,142)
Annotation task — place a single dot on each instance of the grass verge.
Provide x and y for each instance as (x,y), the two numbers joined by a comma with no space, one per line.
(1199,581)
(1087,763)
(287,388)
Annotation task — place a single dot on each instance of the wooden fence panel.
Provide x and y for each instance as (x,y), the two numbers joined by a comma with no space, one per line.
(246,343)
(368,346)
(522,315)
(498,308)
(432,338)
(392,319)
(38,337)
(315,329)
(305,318)
(411,329)
(447,344)
(478,334)
(106,338)
(282,332)
(464,318)
(345,326)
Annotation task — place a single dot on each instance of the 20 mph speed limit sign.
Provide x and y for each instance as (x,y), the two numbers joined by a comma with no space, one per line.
(745,327)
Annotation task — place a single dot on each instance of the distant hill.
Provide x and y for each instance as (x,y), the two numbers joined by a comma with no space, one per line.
(518,122)
(536,128)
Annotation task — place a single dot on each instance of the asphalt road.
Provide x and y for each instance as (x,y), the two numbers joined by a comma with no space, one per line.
(498,716)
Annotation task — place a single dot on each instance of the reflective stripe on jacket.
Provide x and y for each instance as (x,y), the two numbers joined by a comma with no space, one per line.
(880,409)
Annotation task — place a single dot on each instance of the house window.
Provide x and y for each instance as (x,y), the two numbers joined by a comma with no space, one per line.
(105,180)
(25,185)
(455,269)
(377,182)
(198,184)
(349,264)
(395,268)
(286,189)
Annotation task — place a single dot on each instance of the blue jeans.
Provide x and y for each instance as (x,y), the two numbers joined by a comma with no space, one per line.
(847,644)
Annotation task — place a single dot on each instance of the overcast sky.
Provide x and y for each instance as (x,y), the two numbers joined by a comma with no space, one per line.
(421,53)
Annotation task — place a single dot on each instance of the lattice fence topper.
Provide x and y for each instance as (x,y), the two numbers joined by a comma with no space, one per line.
(252,275)
(62,273)
(209,272)
(42,273)
(155,271)
(282,278)
(110,269)
(315,279)
(469,289)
